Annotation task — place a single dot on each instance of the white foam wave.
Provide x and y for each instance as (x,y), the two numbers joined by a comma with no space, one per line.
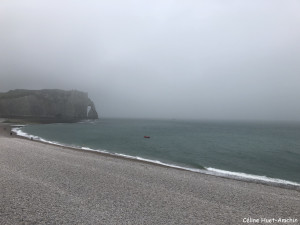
(88,121)
(21,133)
(95,150)
(251,176)
(161,163)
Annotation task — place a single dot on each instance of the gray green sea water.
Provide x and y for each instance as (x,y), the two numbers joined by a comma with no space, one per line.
(264,149)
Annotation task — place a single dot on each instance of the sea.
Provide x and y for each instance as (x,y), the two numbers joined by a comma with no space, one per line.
(260,151)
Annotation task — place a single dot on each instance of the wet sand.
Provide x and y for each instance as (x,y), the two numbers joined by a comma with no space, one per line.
(46,184)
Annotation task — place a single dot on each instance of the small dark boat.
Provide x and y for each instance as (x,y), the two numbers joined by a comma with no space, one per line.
(146,136)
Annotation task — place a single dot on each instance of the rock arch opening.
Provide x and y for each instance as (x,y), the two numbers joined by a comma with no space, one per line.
(88,109)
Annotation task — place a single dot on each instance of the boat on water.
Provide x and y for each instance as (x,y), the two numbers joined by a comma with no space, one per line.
(146,136)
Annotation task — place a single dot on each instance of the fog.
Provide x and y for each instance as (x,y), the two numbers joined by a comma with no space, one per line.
(227,60)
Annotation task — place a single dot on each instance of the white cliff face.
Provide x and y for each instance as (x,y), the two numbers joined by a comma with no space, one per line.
(53,104)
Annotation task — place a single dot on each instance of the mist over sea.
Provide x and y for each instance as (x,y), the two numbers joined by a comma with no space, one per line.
(263,149)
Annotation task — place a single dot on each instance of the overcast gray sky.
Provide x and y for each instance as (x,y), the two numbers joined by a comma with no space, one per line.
(209,59)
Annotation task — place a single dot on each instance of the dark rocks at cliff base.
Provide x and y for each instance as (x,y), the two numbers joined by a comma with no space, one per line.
(48,105)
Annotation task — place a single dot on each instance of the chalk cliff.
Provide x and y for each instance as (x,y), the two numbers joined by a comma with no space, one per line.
(49,105)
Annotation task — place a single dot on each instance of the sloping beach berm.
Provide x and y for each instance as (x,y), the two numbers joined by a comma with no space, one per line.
(46,184)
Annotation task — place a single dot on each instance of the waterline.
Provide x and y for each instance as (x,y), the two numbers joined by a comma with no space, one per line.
(207,170)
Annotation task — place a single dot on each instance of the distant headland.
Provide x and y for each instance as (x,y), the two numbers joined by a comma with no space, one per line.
(47,106)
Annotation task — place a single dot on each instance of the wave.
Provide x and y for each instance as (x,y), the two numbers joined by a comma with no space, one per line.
(21,133)
(205,170)
(252,177)
(88,121)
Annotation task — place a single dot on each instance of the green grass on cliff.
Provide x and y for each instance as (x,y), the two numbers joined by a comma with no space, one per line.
(15,94)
